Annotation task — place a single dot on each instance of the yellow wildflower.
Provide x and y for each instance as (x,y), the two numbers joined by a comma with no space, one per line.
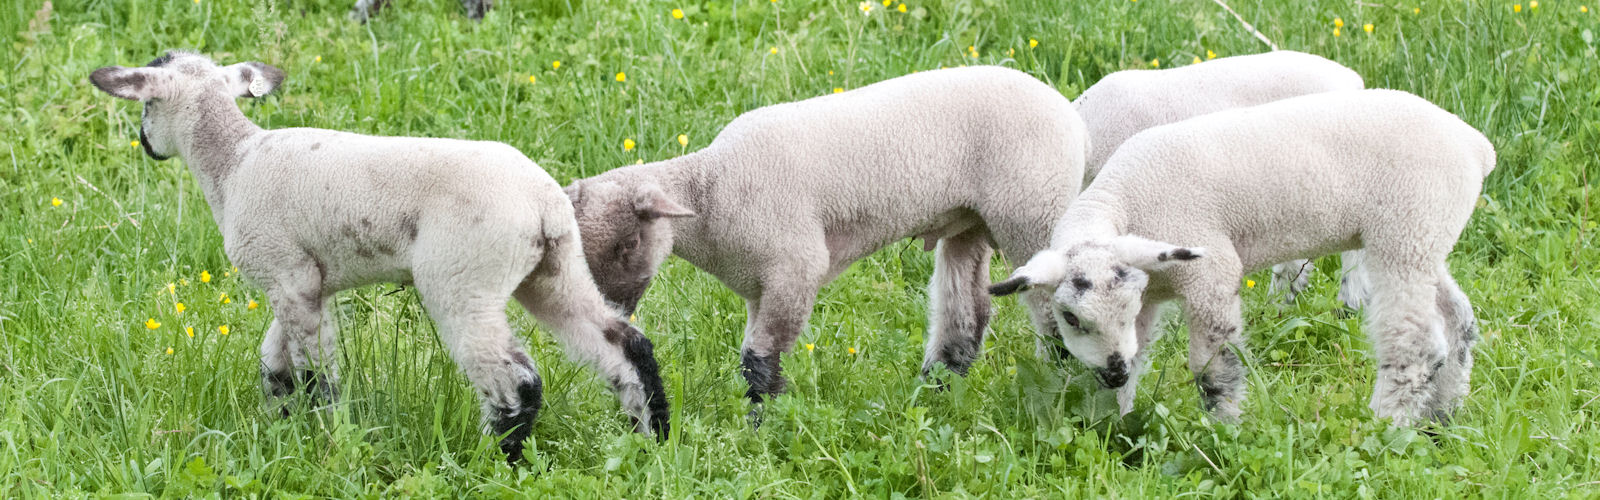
(224,298)
(180,307)
(677,13)
(1416,10)
(252,305)
(318,59)
(1583,8)
(236,269)
(1336,32)
(1367,27)
(1338,22)
(683,140)
(1533,5)
(55,202)
(555,64)
(169,349)
(773,51)
(1032,43)
(223,329)
(622,77)
(205,277)
(1516,8)
(633,318)
(1196,60)
(188,330)
(838,89)
(887,2)
(1211,55)
(901,8)
(830,72)
(133,144)
(628,144)
(1155,63)
(172,288)
(1249,283)
(532,79)
(810,347)
(152,324)
(852,350)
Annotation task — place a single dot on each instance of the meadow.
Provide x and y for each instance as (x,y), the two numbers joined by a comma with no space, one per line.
(109,387)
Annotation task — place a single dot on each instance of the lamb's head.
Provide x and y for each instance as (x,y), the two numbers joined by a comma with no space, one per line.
(626,232)
(180,87)
(1095,290)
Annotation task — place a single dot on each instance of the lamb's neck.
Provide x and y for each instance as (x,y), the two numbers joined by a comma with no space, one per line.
(680,178)
(1090,217)
(212,146)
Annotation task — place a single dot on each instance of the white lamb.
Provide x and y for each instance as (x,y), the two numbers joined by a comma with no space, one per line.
(1181,211)
(1127,102)
(789,195)
(308,212)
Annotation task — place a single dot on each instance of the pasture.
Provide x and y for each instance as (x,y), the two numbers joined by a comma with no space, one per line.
(128,342)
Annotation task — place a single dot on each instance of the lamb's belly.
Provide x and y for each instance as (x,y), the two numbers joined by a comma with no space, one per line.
(345,270)
(1260,253)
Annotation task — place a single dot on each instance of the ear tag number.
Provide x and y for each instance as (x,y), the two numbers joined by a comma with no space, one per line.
(258,86)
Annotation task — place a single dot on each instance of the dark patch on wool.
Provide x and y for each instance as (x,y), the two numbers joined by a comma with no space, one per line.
(516,424)
(641,354)
(763,373)
(1008,287)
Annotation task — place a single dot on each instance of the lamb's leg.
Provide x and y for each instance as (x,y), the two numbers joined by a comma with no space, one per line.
(1407,334)
(1354,286)
(472,326)
(958,302)
(561,295)
(1144,328)
(477,8)
(300,346)
(1453,381)
(1211,307)
(1291,278)
(783,309)
(365,9)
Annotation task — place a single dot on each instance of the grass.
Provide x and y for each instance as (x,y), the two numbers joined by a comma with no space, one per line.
(92,402)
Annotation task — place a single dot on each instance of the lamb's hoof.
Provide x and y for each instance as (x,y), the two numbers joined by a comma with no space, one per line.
(754,416)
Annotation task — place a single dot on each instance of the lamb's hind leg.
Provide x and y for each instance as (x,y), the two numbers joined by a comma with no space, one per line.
(1453,381)
(1407,334)
(958,303)
(1211,307)
(1291,278)
(300,347)
(561,294)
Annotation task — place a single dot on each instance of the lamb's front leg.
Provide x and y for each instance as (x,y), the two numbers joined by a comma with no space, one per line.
(1215,343)
(300,348)
(781,315)
(1144,328)
(958,303)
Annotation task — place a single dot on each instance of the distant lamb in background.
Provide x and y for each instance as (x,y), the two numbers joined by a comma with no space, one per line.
(1126,102)
(787,196)
(365,9)
(1181,211)
(308,212)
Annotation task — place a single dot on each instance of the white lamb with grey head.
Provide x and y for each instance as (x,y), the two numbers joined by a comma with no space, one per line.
(1127,102)
(308,212)
(787,196)
(1181,211)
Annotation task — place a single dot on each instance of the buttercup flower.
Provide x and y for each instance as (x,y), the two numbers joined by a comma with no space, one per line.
(1155,63)
(1196,60)
(223,329)
(1211,55)
(1583,8)
(224,298)
(1336,32)
(810,347)
(555,64)
(172,288)
(1533,5)
(152,324)
(169,349)
(1367,27)
(532,79)
(1416,10)
(774,51)
(1249,283)
(180,307)
(901,8)
(205,277)
(852,350)
(1516,8)
(55,202)
(133,144)
(683,140)
(622,77)
(677,13)
(252,305)
(1032,43)
(838,89)
(188,330)
(628,144)
(1338,22)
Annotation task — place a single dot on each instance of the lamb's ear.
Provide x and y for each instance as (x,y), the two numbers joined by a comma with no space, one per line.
(252,79)
(650,202)
(574,191)
(1150,255)
(137,84)
(1048,267)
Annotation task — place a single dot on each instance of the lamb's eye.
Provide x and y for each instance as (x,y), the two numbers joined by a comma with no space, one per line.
(1071,319)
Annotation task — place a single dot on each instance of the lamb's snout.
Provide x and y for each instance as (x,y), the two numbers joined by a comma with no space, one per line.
(1115,374)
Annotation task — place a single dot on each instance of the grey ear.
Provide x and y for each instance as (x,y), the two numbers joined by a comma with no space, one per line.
(574,191)
(252,79)
(1012,285)
(650,202)
(136,84)
(1151,255)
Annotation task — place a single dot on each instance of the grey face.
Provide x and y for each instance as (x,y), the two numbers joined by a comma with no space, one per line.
(1096,290)
(626,235)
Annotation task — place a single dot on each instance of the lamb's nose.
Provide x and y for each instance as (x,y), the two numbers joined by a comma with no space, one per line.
(1114,374)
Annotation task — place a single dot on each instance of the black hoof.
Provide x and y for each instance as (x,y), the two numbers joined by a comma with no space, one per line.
(516,424)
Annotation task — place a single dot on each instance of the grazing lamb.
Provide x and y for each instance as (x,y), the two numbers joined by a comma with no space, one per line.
(1126,102)
(1181,211)
(308,212)
(787,196)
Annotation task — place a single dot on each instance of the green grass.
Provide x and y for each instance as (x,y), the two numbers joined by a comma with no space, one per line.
(91,403)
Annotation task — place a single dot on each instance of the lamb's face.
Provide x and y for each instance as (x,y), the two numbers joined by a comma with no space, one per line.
(177,88)
(626,235)
(1096,290)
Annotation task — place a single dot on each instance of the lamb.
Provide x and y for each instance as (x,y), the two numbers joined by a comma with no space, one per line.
(1181,211)
(307,212)
(365,9)
(787,196)
(1126,102)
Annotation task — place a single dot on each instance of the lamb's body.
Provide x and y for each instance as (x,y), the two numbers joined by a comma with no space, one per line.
(1127,102)
(306,213)
(789,195)
(1379,170)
